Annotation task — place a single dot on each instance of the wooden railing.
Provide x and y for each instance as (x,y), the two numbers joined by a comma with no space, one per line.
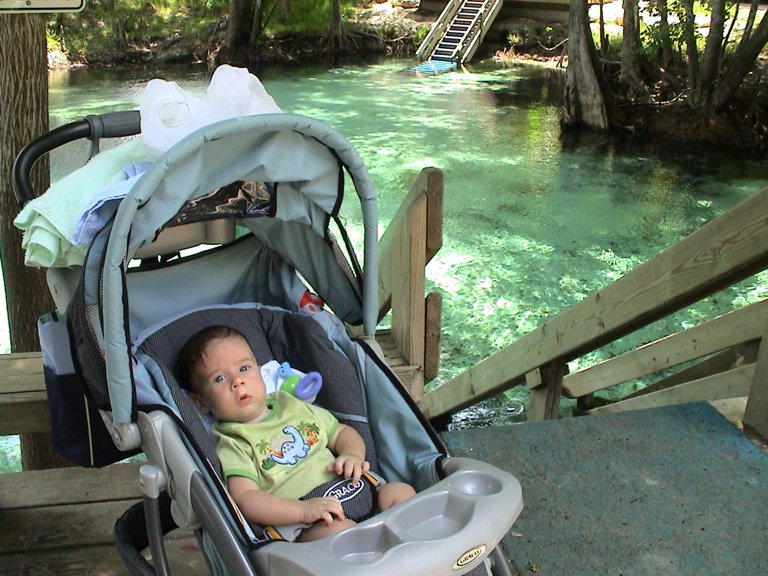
(410,241)
(723,252)
(23,400)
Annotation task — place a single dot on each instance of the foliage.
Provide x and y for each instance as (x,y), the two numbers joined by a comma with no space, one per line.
(108,29)
(309,16)
(696,70)
(421,33)
(10,454)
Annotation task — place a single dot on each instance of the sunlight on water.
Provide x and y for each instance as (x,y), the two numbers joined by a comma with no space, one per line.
(532,223)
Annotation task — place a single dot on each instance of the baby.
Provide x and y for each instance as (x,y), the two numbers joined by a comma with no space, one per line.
(275,449)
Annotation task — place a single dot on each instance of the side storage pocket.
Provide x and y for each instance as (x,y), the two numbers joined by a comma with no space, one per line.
(78,432)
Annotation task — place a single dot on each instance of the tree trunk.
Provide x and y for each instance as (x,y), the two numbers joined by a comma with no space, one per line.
(742,63)
(587,100)
(336,32)
(285,11)
(601,27)
(666,41)
(710,60)
(238,25)
(23,116)
(121,38)
(691,51)
(630,49)
(258,20)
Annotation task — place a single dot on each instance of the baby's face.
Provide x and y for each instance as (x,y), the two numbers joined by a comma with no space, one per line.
(229,381)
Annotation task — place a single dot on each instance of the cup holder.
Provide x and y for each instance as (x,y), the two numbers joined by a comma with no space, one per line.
(475,483)
(433,518)
(364,545)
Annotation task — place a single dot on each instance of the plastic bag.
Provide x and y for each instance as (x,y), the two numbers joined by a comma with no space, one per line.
(168,113)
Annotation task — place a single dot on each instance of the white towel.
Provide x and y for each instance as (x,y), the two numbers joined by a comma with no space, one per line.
(49,221)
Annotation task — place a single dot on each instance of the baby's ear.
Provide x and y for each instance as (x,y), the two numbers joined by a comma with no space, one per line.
(199,402)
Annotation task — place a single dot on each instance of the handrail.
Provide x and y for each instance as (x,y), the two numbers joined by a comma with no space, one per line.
(437,29)
(471,31)
(734,328)
(726,250)
(485,18)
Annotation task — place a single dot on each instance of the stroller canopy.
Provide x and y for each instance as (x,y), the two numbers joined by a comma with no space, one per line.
(302,161)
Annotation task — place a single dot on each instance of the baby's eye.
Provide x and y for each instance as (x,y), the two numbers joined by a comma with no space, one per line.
(245,367)
(219,379)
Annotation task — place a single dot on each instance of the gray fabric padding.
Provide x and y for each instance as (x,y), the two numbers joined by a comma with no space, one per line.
(245,271)
(406,451)
(316,260)
(275,335)
(194,425)
(88,347)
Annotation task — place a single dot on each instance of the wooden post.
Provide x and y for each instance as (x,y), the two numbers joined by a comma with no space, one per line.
(546,384)
(434,304)
(756,412)
(408,244)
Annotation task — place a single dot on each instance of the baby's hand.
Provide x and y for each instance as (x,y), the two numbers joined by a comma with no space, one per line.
(349,466)
(323,509)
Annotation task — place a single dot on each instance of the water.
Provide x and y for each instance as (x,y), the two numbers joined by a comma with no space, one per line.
(532,223)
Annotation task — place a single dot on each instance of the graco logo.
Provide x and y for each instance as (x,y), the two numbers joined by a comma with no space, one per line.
(469,556)
(344,490)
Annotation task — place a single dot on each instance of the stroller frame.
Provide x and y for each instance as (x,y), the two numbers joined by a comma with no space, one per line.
(452,526)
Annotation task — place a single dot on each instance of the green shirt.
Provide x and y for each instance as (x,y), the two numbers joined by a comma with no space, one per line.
(285,453)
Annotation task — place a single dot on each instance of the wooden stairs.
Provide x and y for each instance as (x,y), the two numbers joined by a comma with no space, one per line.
(458,32)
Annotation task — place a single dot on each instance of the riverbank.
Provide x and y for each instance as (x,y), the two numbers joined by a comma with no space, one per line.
(389,27)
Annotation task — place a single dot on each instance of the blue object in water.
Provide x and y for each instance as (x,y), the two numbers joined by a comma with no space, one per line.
(434,67)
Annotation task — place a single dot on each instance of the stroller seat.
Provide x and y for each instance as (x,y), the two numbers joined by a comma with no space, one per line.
(440,520)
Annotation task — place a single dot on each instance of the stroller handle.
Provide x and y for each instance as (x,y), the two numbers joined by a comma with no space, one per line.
(110,125)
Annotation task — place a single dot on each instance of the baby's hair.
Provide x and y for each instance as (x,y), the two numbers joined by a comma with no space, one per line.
(191,354)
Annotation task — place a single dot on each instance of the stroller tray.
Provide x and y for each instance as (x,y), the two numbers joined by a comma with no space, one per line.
(460,518)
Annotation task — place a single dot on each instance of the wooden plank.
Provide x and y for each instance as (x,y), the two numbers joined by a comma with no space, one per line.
(42,488)
(429,186)
(401,277)
(23,400)
(433,189)
(756,412)
(101,560)
(735,327)
(410,241)
(24,413)
(11,384)
(731,408)
(546,385)
(724,251)
(731,384)
(725,360)
(60,526)
(182,550)
(432,330)
(21,363)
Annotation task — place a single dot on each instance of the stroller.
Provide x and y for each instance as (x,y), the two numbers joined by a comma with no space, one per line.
(263,189)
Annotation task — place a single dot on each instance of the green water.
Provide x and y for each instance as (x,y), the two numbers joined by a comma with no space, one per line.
(532,223)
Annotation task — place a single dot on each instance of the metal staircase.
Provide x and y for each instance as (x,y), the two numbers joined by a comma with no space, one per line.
(458,32)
